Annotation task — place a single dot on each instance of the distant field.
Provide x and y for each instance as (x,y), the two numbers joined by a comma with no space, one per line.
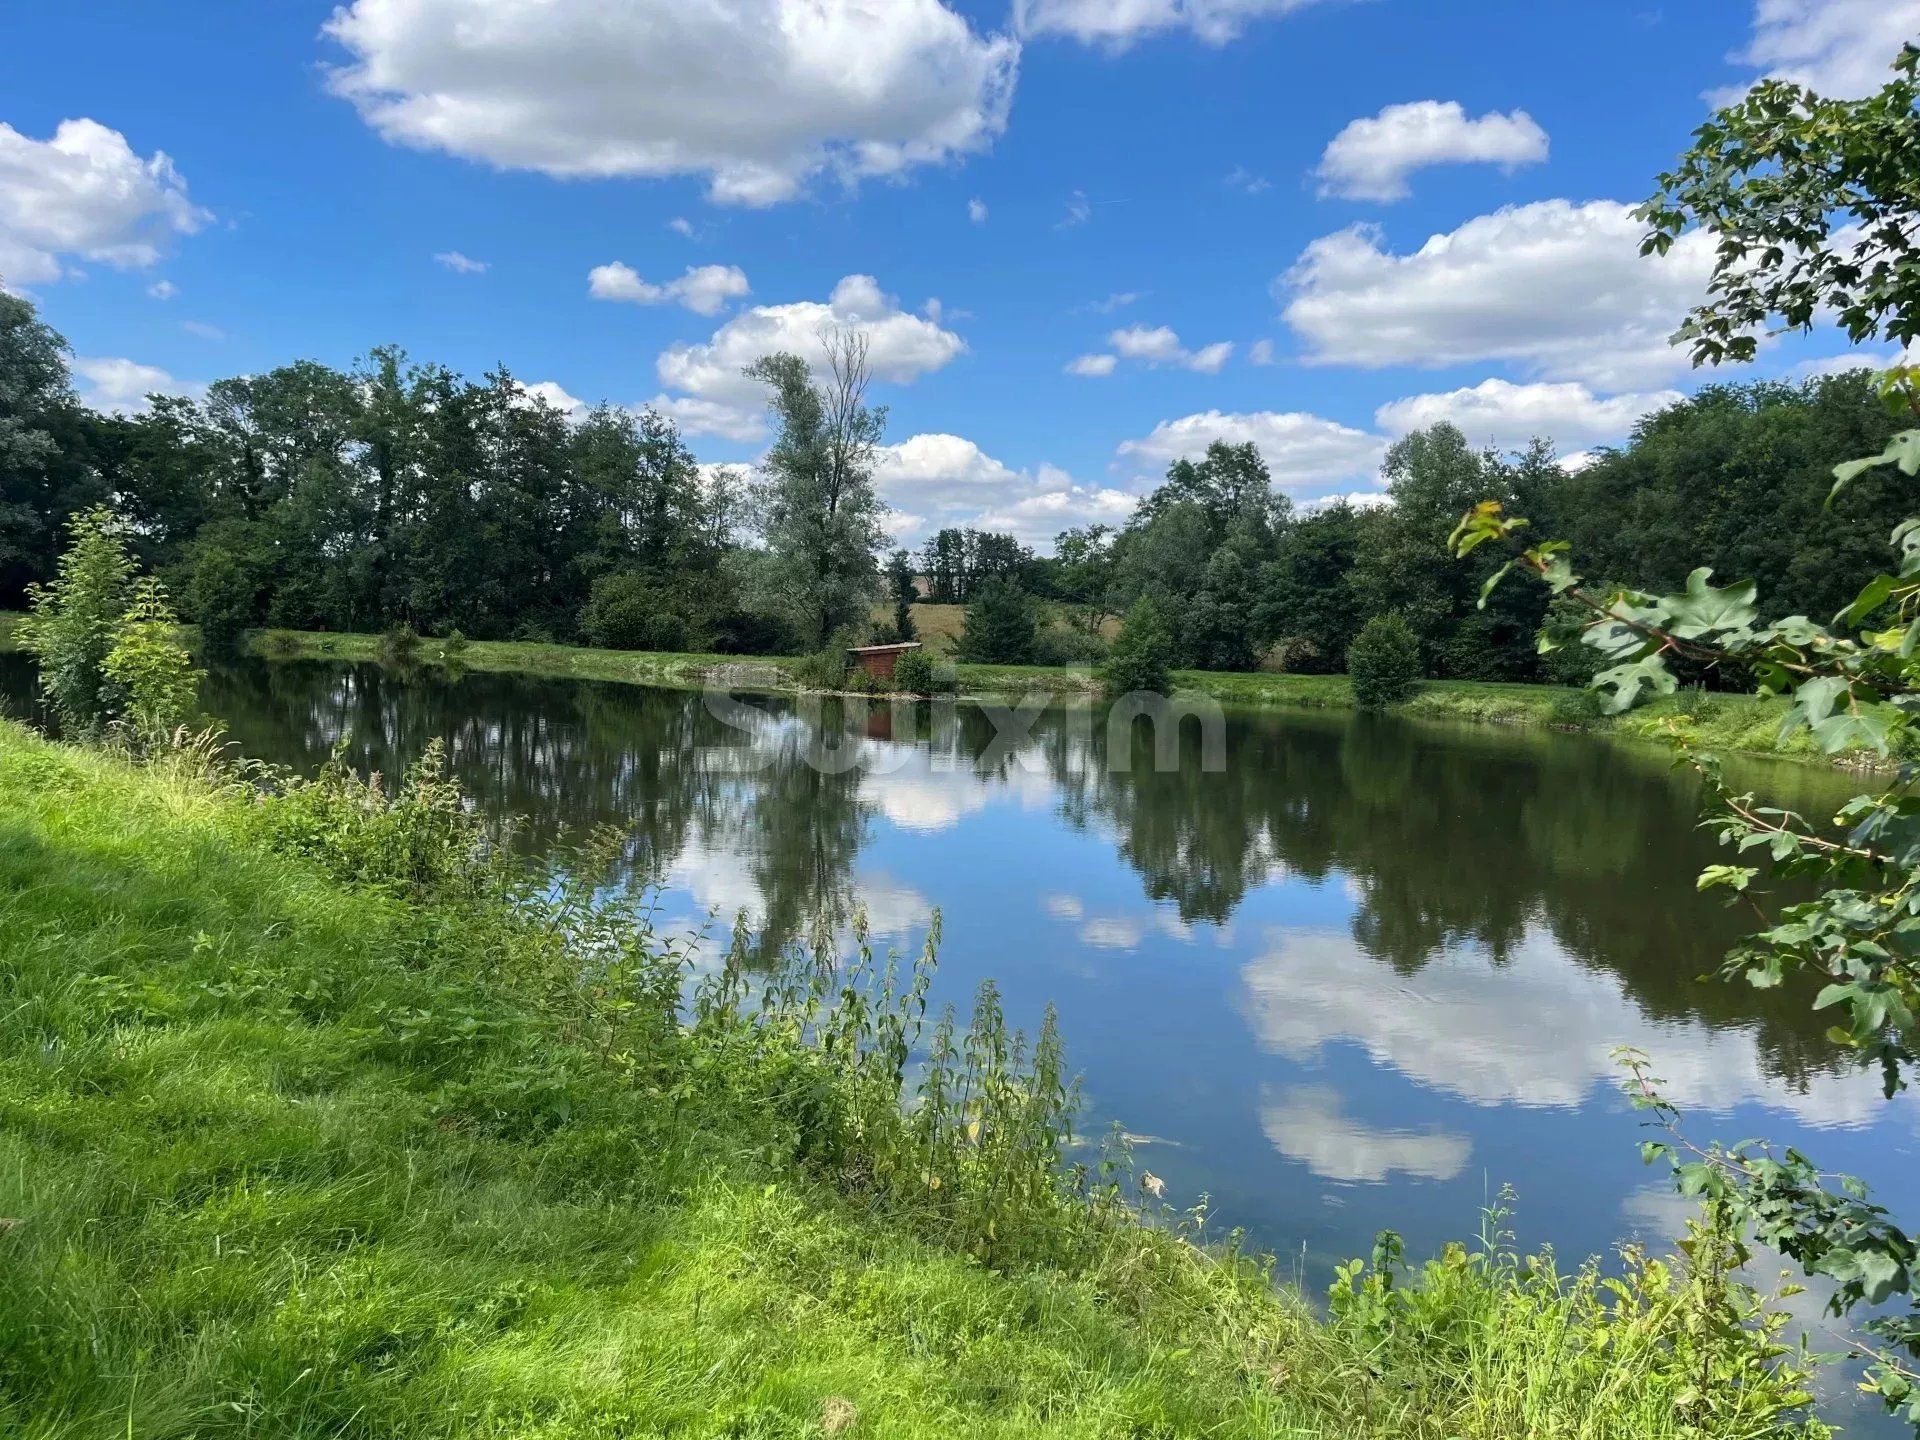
(939,626)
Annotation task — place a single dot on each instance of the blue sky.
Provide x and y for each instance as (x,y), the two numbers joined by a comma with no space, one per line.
(1391,212)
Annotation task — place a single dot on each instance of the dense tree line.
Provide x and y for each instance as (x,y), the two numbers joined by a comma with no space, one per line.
(401,494)
(1735,477)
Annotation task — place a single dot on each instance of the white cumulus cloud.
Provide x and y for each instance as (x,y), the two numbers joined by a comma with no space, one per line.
(85,193)
(704,289)
(1302,451)
(1507,416)
(1555,287)
(459,264)
(1118,23)
(934,480)
(121,386)
(1372,158)
(758,96)
(556,395)
(1153,345)
(1839,48)
(716,398)
(977,211)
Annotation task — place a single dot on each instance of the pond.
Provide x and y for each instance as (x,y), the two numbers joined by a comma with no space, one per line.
(1363,976)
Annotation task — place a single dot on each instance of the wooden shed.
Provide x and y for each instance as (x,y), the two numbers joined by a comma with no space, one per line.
(879,660)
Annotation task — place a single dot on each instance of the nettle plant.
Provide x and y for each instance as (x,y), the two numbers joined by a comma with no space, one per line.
(1854,684)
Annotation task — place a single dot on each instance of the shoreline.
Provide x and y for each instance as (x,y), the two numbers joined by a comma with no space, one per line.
(1728,723)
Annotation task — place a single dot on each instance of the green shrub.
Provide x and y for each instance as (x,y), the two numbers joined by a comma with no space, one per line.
(1000,626)
(822,670)
(1383,662)
(399,644)
(629,610)
(76,620)
(278,643)
(913,673)
(454,646)
(222,593)
(150,667)
(1068,645)
(422,840)
(1142,656)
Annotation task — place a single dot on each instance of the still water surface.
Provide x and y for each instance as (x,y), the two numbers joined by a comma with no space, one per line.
(1362,978)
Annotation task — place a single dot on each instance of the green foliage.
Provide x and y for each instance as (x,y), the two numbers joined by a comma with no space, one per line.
(223,588)
(76,620)
(149,666)
(1383,662)
(957,562)
(819,512)
(1001,626)
(633,611)
(1705,1348)
(903,592)
(915,673)
(1854,687)
(40,485)
(1141,660)
(399,645)
(421,840)
(1811,203)
(1067,645)
(822,669)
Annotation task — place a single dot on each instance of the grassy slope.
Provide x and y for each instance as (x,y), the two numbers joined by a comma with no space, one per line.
(232,1218)
(240,1201)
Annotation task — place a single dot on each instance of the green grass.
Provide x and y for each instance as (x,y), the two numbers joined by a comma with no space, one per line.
(281,1156)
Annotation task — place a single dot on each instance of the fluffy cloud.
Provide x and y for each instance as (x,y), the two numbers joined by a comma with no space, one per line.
(1857,360)
(1152,345)
(556,395)
(1558,288)
(1840,48)
(1302,451)
(86,193)
(756,95)
(1118,23)
(121,386)
(1159,345)
(704,289)
(459,264)
(1309,1123)
(1372,158)
(1499,413)
(935,480)
(977,211)
(163,290)
(716,398)
(1092,366)
(1538,1030)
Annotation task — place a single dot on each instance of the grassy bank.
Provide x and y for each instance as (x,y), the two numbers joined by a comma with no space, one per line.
(314,1122)
(1728,723)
